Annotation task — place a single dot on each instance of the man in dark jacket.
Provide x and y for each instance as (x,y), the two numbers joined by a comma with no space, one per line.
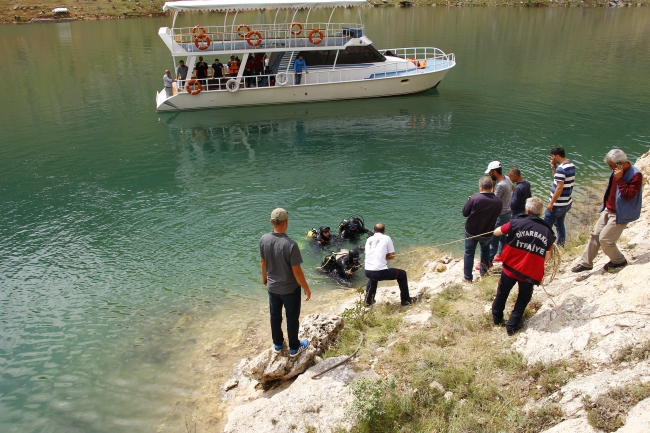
(528,245)
(621,205)
(481,210)
(520,194)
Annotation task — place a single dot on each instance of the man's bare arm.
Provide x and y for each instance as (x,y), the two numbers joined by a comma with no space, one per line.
(263,266)
(300,277)
(556,195)
(390,256)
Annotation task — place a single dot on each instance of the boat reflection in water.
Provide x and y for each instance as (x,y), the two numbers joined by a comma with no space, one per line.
(245,129)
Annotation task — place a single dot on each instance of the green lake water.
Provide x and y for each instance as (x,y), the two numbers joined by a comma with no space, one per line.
(128,239)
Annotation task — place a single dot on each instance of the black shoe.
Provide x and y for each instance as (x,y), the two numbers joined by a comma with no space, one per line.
(497,321)
(409,302)
(512,331)
(611,265)
(581,268)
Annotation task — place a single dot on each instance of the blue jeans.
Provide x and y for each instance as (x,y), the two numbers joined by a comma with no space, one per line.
(291,303)
(497,242)
(297,78)
(470,250)
(556,218)
(387,274)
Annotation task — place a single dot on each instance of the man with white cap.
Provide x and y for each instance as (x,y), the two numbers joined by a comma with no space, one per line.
(503,190)
(282,275)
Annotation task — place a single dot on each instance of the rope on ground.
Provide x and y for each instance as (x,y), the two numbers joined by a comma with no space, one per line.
(551,267)
(341,362)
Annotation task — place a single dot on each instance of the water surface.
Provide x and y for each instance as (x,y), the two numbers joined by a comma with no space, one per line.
(128,239)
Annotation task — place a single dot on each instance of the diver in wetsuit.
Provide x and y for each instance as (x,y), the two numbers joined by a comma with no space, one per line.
(352,229)
(342,265)
(320,237)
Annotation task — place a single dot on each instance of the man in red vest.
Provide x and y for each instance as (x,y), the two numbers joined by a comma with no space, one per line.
(528,245)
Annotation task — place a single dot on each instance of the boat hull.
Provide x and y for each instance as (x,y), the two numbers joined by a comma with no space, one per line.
(359,89)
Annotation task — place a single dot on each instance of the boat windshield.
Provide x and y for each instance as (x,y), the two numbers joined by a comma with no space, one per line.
(349,56)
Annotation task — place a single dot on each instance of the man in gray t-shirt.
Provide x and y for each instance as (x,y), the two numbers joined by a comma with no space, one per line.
(282,275)
(503,190)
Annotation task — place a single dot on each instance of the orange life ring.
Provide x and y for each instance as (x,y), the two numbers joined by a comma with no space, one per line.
(320,35)
(295,32)
(195,28)
(254,42)
(202,37)
(239,30)
(196,91)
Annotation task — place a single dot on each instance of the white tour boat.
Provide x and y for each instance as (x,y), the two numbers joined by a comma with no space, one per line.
(340,59)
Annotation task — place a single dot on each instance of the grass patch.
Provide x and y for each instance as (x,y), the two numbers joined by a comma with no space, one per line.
(634,353)
(608,411)
(457,374)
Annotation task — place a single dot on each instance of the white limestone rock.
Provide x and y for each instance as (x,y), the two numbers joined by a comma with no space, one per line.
(576,425)
(320,329)
(319,403)
(638,418)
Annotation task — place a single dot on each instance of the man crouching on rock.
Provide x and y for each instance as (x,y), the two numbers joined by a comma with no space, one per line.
(528,245)
(283,277)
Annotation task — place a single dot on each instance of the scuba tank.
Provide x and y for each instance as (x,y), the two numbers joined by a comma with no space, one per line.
(312,233)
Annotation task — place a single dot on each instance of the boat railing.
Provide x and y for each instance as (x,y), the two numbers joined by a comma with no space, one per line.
(264,36)
(437,60)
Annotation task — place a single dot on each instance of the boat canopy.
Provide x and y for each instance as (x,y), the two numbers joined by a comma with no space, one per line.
(238,5)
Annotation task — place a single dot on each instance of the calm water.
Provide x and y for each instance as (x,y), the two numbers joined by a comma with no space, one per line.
(128,239)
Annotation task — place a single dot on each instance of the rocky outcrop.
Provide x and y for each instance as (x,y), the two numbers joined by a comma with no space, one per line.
(320,329)
(306,404)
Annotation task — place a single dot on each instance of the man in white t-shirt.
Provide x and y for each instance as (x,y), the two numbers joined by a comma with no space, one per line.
(380,249)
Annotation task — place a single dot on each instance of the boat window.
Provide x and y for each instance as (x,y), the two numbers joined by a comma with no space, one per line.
(349,56)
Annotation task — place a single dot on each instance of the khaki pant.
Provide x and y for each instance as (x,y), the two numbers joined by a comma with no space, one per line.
(605,234)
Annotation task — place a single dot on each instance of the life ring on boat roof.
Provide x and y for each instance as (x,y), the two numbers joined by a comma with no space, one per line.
(202,38)
(195,28)
(232,85)
(196,90)
(282,78)
(241,27)
(254,42)
(293,30)
(321,36)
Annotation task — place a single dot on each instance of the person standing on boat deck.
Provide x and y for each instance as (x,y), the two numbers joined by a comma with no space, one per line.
(482,211)
(181,71)
(217,71)
(201,69)
(283,277)
(298,67)
(621,205)
(520,194)
(379,248)
(564,174)
(168,80)
(233,67)
(503,190)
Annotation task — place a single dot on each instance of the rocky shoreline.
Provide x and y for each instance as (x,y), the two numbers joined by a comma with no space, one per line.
(39,11)
(595,325)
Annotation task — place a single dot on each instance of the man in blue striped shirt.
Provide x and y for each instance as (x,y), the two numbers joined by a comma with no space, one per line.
(564,173)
